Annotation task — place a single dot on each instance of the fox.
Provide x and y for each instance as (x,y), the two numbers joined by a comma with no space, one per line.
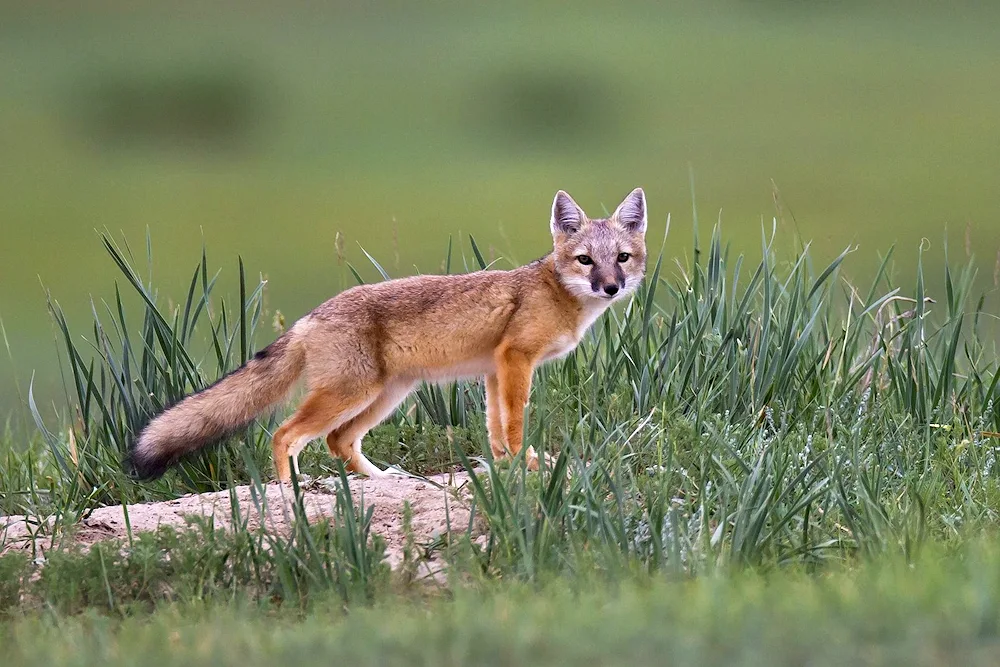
(365,349)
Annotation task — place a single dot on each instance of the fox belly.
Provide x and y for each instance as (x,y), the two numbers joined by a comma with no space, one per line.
(462,370)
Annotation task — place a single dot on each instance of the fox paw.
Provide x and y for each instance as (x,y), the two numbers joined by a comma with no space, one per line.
(533,460)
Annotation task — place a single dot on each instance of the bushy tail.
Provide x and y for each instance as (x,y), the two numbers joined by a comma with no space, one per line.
(211,414)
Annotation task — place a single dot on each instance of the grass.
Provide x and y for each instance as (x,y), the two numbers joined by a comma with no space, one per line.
(746,459)
(942,612)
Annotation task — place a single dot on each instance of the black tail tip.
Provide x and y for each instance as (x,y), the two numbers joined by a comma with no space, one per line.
(144,467)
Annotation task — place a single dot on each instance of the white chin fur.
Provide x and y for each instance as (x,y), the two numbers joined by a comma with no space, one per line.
(582,291)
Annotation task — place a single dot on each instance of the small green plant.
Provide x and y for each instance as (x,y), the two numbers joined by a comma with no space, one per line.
(13,572)
(335,556)
(341,554)
(131,369)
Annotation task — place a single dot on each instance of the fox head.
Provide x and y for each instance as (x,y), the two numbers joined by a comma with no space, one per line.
(599,260)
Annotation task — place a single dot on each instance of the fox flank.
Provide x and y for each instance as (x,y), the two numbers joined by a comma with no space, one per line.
(363,351)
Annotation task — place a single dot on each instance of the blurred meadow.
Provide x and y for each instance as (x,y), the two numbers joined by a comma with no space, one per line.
(262,131)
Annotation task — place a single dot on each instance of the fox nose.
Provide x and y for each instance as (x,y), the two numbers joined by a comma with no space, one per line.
(611,290)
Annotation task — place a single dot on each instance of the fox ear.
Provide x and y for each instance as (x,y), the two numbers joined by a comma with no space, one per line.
(567,216)
(631,213)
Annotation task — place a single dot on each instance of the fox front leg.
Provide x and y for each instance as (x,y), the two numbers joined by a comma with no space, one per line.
(514,369)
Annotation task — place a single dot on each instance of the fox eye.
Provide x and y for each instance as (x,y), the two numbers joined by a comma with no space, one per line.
(623,257)
(584,259)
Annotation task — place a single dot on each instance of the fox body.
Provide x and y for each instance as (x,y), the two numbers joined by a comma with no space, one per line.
(364,350)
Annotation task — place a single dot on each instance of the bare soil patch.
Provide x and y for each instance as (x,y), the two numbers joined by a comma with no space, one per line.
(439,503)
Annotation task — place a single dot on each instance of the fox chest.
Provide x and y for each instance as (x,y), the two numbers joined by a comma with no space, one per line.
(566,341)
(563,345)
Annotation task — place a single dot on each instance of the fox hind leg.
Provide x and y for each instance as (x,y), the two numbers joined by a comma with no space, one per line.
(494,418)
(345,441)
(322,410)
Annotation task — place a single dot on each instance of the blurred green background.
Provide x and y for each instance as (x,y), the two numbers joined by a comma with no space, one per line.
(263,132)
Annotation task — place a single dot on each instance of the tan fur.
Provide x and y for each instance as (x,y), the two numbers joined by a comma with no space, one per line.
(364,350)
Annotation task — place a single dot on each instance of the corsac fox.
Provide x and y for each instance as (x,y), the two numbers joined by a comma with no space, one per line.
(365,349)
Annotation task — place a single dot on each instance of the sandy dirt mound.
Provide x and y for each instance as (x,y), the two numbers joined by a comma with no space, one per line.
(437,502)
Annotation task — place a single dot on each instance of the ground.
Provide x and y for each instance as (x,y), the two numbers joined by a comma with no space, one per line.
(436,502)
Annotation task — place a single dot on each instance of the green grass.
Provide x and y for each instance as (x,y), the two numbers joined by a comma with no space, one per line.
(754,457)
(740,378)
(943,611)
